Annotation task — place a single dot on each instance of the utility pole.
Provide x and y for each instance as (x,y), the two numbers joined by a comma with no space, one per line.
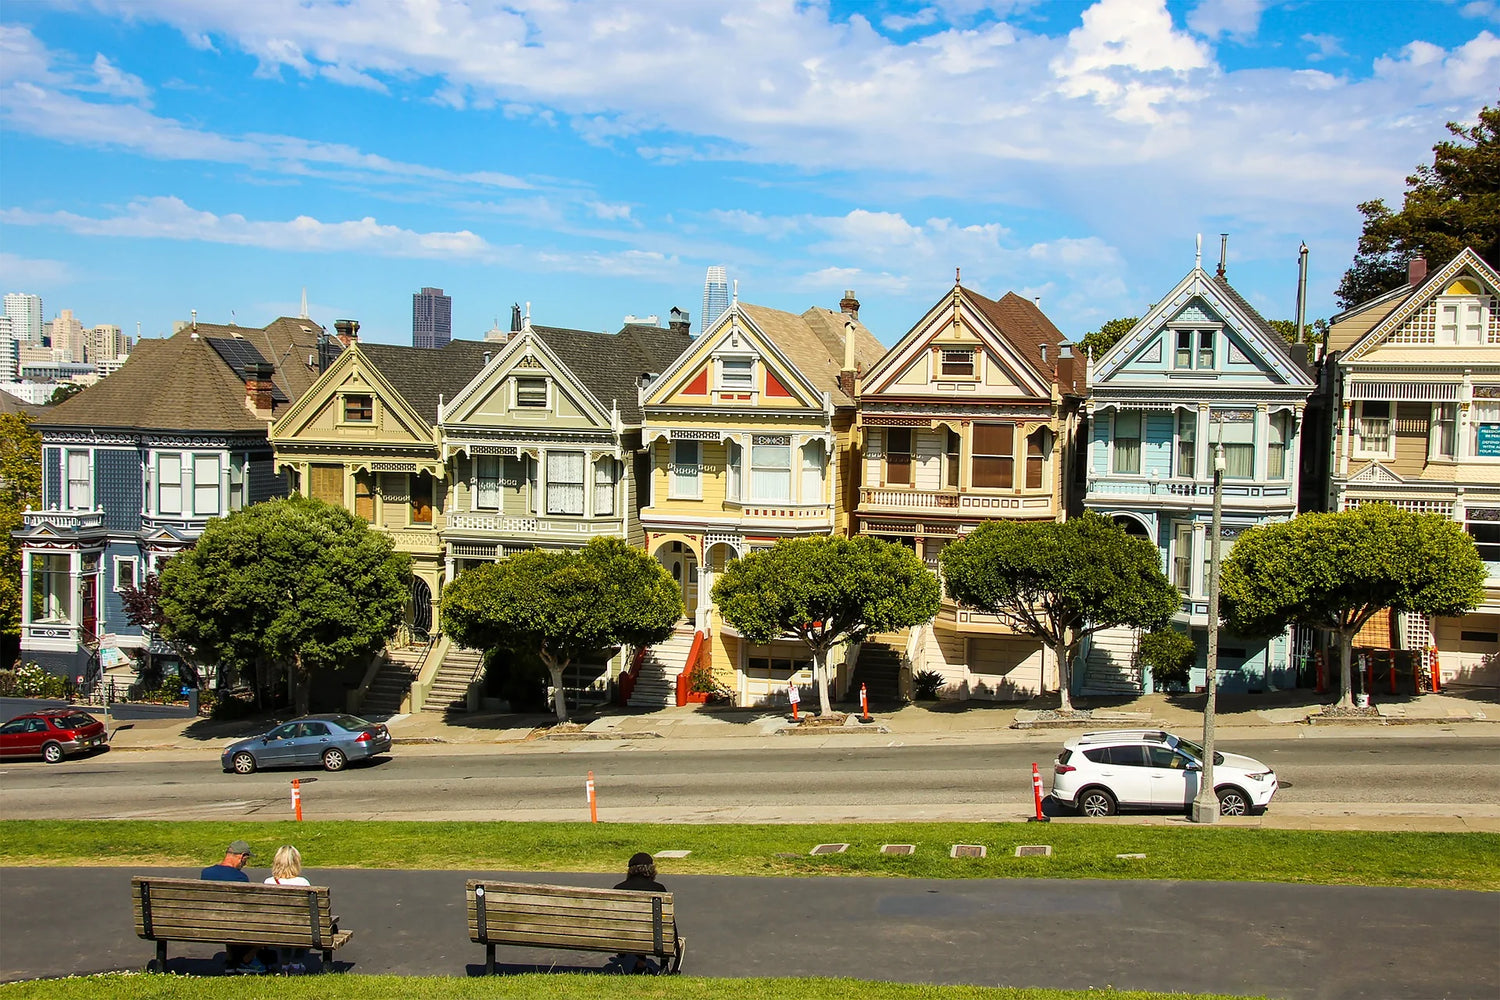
(1206,803)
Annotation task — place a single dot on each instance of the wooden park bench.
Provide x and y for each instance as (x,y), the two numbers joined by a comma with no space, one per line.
(574,919)
(234,913)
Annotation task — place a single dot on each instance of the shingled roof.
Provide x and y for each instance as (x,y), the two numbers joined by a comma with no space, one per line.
(814,342)
(424,376)
(610,364)
(1277,341)
(1022,323)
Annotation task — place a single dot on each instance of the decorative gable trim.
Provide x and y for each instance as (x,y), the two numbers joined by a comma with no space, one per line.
(1376,475)
(698,386)
(352,363)
(774,386)
(521,352)
(733,321)
(1425,293)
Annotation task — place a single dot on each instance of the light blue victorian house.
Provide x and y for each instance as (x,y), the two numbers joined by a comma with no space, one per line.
(1201,367)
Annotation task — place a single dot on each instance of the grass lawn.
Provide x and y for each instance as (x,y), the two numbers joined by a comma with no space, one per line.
(119,986)
(1432,860)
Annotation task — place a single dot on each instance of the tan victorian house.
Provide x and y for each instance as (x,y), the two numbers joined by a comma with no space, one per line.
(749,438)
(1418,425)
(972,416)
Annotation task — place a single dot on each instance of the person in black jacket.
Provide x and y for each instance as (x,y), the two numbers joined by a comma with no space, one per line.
(641,877)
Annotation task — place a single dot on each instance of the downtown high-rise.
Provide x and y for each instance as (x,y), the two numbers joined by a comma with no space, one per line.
(431,318)
(25,312)
(715,296)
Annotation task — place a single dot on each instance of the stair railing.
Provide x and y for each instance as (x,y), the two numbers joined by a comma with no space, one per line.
(685,694)
(914,654)
(626,686)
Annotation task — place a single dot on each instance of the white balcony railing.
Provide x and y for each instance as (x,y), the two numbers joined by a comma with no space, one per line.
(908,499)
(64,520)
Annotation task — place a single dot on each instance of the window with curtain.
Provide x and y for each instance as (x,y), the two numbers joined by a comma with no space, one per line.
(1036,458)
(327,483)
(236,482)
(1184,357)
(734,465)
(1182,558)
(1443,431)
(771,467)
(169,484)
(533,500)
(1484,421)
(994,456)
(206,485)
(80,485)
(1205,350)
(1187,444)
(1278,429)
(812,472)
(1128,442)
(565,482)
(487,482)
(51,590)
(685,479)
(1237,434)
(421,498)
(898,456)
(951,459)
(604,486)
(1373,427)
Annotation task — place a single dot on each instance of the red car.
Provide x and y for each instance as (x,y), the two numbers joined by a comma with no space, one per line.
(52,735)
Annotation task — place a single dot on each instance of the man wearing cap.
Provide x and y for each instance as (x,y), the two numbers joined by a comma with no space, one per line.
(237,957)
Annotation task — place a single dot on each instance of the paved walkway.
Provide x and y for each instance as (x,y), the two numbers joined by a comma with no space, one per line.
(1278,940)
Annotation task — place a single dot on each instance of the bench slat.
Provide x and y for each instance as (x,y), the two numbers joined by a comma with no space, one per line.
(234,913)
(564,891)
(580,942)
(177,926)
(529,921)
(623,908)
(638,913)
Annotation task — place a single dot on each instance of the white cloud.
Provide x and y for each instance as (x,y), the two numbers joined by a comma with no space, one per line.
(1127,55)
(32,272)
(900,22)
(1327,46)
(1238,19)
(116,82)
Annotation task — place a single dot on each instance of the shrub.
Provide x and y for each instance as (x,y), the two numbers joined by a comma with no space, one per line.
(30,681)
(1170,655)
(927,683)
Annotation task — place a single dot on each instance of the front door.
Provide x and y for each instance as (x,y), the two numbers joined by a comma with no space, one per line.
(689,586)
(421,605)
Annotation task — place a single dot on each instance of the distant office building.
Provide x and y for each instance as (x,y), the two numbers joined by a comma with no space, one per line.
(715,296)
(431,318)
(105,343)
(8,357)
(25,312)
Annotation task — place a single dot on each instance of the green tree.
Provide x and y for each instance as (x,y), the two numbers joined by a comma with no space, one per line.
(295,581)
(63,392)
(1452,204)
(1311,332)
(1060,581)
(1336,571)
(826,591)
(564,605)
(1170,654)
(20,488)
(1096,343)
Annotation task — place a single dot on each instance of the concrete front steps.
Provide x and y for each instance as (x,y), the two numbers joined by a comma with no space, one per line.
(450,688)
(656,684)
(392,681)
(879,669)
(1112,666)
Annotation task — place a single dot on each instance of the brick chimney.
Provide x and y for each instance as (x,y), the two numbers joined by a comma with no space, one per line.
(1416,271)
(1067,370)
(348,330)
(680,322)
(258,387)
(849,304)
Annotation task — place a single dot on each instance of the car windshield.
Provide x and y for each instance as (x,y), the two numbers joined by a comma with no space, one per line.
(76,721)
(353,723)
(1196,750)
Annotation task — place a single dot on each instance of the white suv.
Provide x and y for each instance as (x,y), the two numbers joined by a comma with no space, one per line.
(1099,774)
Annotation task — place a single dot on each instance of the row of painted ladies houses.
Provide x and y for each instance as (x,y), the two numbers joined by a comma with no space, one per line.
(771,425)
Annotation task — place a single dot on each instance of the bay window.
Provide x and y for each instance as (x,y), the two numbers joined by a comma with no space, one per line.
(206,485)
(237,465)
(898,456)
(771,467)
(1127,442)
(421,498)
(951,459)
(1372,429)
(1279,429)
(812,472)
(994,456)
(169,484)
(1182,557)
(734,465)
(487,482)
(1237,434)
(1036,457)
(565,482)
(51,590)
(1443,431)
(685,479)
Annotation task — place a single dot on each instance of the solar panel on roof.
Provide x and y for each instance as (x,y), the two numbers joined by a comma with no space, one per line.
(239,354)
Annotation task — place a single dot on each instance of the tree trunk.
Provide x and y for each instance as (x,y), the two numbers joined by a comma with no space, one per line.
(1064,655)
(1346,670)
(559,701)
(820,674)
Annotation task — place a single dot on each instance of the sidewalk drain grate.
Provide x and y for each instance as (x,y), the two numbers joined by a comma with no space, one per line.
(672,854)
(1130,855)
(899,849)
(830,849)
(967,851)
(1034,851)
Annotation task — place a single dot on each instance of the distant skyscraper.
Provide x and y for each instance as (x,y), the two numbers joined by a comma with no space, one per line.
(715,296)
(431,318)
(25,312)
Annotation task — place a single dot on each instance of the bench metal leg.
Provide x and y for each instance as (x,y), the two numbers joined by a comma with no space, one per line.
(327,959)
(159,964)
(489,960)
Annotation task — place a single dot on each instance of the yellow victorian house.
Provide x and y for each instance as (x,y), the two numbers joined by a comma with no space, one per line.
(749,436)
(972,416)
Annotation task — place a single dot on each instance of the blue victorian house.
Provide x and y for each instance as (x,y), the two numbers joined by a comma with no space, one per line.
(135,466)
(1201,368)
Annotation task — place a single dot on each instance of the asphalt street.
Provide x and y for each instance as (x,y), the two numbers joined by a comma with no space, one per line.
(639,782)
(1289,941)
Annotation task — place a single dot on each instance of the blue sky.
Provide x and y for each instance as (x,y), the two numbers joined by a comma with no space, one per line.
(160,156)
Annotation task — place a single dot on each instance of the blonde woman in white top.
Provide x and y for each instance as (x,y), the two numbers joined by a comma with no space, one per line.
(286,869)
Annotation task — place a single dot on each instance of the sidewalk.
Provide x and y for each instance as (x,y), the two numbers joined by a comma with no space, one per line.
(1265,716)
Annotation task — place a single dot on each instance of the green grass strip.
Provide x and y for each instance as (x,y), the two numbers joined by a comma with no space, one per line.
(127,986)
(1431,860)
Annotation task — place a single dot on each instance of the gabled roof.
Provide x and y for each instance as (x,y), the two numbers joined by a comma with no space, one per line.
(1021,322)
(814,342)
(610,364)
(10,404)
(1419,295)
(424,376)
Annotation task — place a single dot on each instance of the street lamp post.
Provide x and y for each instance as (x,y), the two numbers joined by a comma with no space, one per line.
(1206,803)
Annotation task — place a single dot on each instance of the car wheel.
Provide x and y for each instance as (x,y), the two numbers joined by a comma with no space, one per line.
(1233,802)
(334,760)
(243,762)
(1096,802)
(52,753)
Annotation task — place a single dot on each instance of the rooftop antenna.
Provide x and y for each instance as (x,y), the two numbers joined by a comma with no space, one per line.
(231,318)
(1198,254)
(303,313)
(1223,252)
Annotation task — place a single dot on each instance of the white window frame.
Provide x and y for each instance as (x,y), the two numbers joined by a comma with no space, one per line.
(121,562)
(679,485)
(813,482)
(762,473)
(734,470)
(546,404)
(1435,424)
(162,483)
(721,369)
(238,468)
(606,480)
(1190,419)
(480,480)
(85,484)
(1361,450)
(958,356)
(1470,320)
(1472,435)
(1288,423)
(1182,561)
(581,484)
(212,487)
(1140,442)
